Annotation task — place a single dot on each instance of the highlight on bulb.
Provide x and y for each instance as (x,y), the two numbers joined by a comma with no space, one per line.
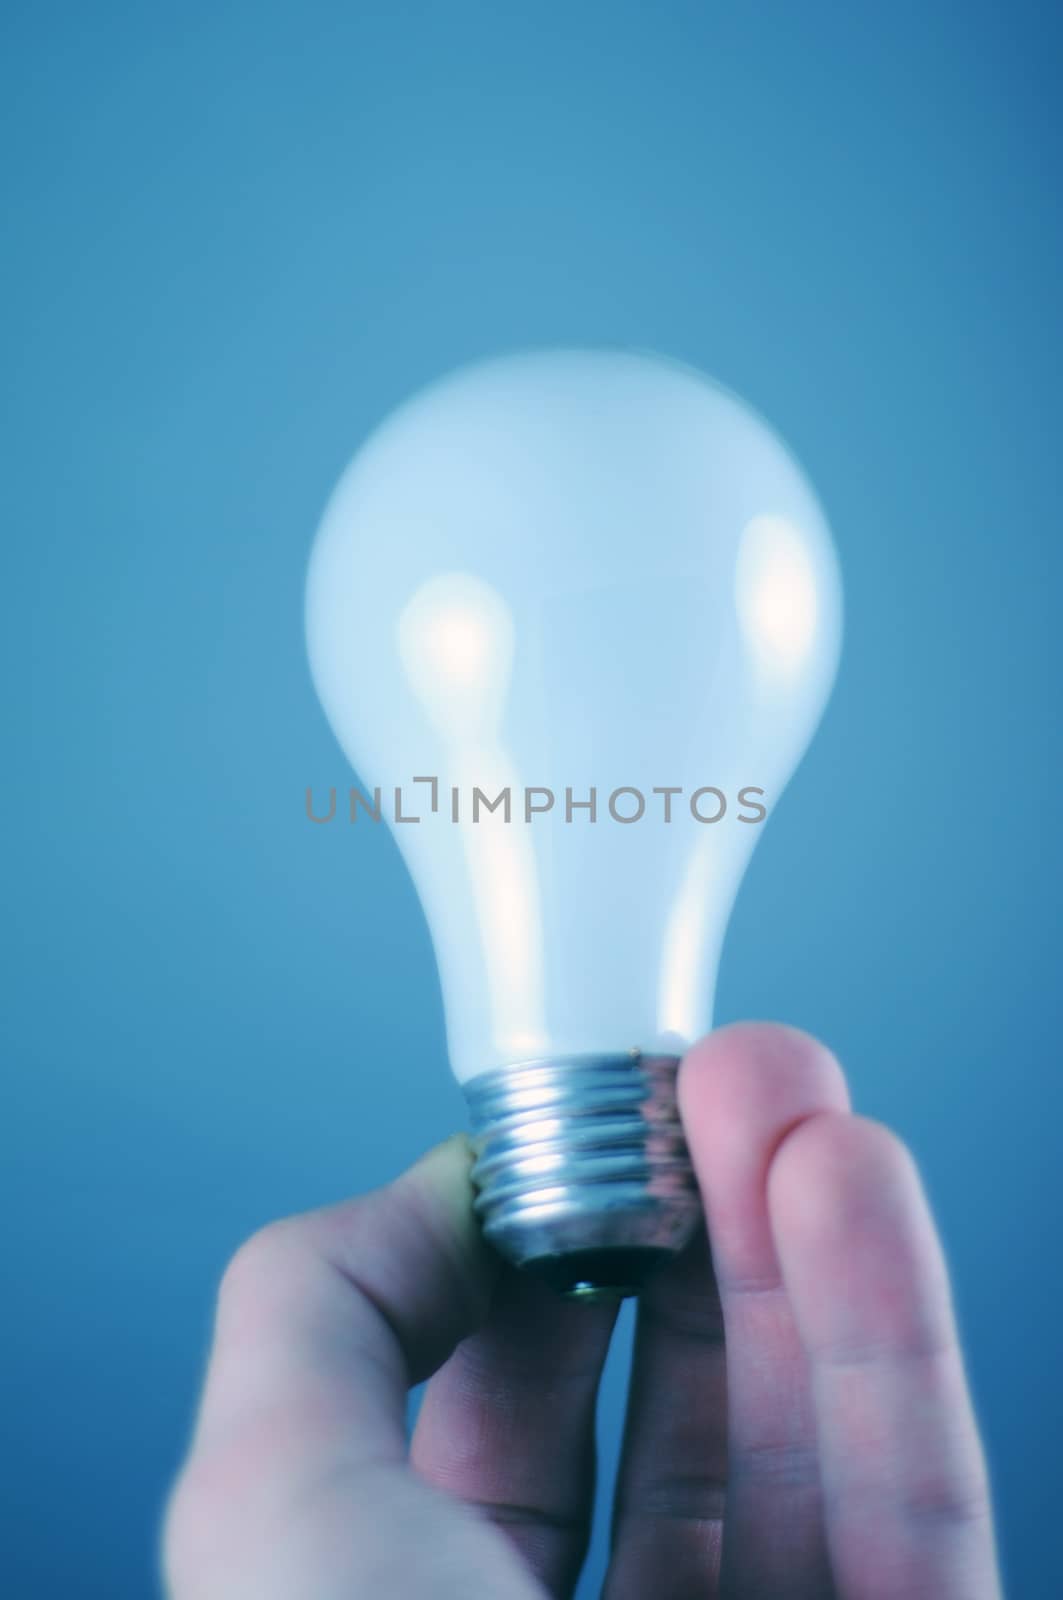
(776,595)
(455,640)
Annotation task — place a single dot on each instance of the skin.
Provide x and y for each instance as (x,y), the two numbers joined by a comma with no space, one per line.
(798,1425)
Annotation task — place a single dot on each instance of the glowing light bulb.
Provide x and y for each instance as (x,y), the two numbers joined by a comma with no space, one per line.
(586,604)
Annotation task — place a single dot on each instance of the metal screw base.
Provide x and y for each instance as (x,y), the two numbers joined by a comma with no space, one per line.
(582,1170)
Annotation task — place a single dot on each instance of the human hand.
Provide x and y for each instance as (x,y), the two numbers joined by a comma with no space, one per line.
(829,1454)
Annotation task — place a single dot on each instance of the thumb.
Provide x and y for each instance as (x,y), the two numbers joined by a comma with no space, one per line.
(297,1481)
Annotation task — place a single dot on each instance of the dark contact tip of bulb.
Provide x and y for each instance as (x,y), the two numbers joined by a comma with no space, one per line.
(595,1276)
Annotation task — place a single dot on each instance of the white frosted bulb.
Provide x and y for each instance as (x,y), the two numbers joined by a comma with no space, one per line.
(596,585)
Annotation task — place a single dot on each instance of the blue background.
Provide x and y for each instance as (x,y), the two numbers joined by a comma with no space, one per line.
(235,235)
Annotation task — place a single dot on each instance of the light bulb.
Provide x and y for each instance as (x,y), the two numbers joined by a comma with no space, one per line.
(593,590)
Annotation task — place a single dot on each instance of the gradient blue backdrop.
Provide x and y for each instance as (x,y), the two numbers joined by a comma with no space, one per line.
(234,236)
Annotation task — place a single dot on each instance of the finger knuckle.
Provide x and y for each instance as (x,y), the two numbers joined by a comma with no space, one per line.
(883,1150)
(257,1261)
